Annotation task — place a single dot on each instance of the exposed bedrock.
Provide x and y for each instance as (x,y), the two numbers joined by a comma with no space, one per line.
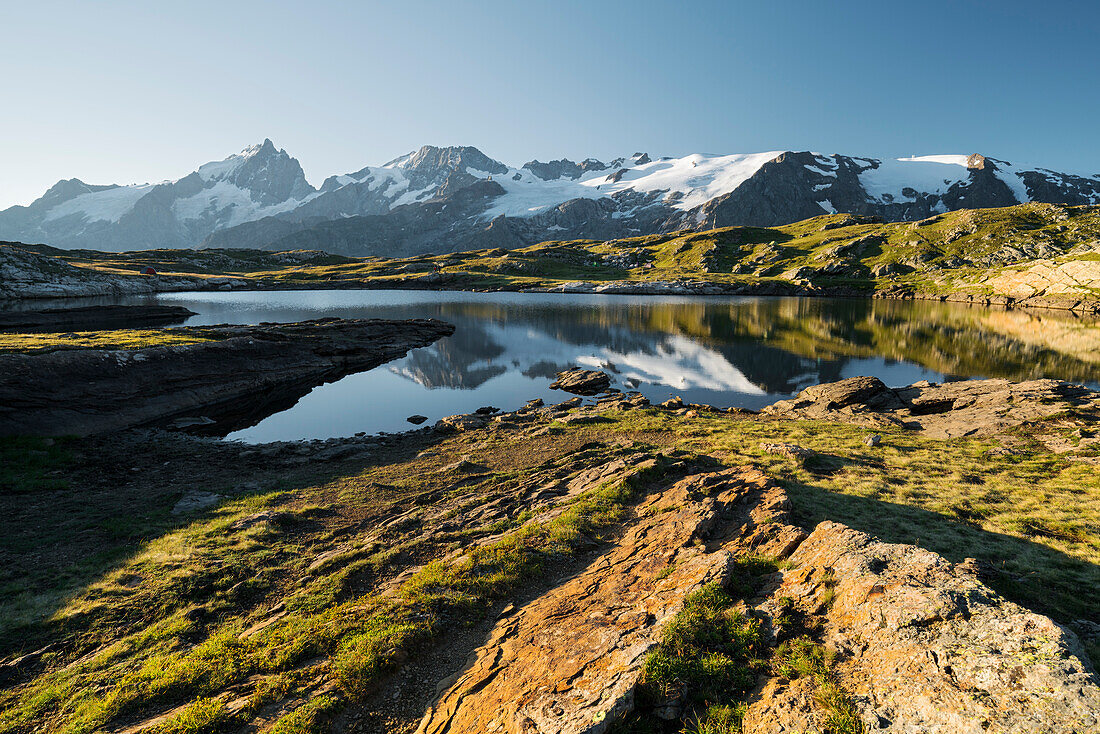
(93,317)
(921,644)
(86,391)
(570,660)
(968,408)
(27,274)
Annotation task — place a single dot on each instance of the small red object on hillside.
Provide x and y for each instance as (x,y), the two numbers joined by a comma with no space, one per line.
(149,271)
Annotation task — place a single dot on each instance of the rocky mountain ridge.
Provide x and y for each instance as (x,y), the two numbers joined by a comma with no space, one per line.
(446,199)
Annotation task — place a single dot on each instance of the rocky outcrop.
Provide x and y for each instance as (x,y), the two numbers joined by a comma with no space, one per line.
(968,408)
(563,168)
(1049,278)
(246,373)
(570,661)
(26,274)
(582,382)
(917,643)
(923,645)
(93,317)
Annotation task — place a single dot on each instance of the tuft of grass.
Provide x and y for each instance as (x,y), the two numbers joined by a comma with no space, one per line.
(709,653)
(204,716)
(721,719)
(802,658)
(308,718)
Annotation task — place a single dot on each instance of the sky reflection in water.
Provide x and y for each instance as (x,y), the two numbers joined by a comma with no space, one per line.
(745,352)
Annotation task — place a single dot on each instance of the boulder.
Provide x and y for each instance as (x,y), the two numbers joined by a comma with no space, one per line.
(867,391)
(582,382)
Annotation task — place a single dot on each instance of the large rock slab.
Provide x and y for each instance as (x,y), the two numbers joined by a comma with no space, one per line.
(922,645)
(1049,278)
(246,375)
(925,646)
(570,660)
(967,408)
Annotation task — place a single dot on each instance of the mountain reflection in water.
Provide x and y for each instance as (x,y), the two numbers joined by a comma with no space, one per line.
(745,352)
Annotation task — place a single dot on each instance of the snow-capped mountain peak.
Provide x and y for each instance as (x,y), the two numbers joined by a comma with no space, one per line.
(219,170)
(454,197)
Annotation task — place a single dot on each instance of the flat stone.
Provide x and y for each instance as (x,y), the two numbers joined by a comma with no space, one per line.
(965,408)
(582,382)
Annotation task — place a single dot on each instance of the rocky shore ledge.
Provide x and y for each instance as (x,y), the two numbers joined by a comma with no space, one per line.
(232,376)
(93,317)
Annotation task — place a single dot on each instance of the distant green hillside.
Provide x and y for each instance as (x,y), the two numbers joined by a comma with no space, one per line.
(1020,252)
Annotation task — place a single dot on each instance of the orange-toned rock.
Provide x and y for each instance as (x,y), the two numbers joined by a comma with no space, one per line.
(926,647)
(569,661)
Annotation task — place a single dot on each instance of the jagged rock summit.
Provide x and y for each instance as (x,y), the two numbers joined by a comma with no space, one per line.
(454,198)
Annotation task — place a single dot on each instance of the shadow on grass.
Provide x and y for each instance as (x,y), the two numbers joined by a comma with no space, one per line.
(1031,574)
(79,511)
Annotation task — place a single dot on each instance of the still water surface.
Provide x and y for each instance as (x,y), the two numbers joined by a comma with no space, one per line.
(745,352)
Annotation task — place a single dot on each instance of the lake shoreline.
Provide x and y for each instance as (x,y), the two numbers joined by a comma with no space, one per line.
(154,285)
(220,376)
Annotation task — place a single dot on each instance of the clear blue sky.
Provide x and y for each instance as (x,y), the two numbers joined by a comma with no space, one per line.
(123,92)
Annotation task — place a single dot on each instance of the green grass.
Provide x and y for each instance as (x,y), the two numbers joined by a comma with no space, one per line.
(710,649)
(709,656)
(37,343)
(361,636)
(29,464)
(157,623)
(718,720)
(958,251)
(802,658)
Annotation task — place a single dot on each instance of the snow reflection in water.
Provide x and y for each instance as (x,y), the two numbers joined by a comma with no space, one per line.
(745,352)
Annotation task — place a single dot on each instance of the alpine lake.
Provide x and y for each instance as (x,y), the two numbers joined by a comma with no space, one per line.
(723,351)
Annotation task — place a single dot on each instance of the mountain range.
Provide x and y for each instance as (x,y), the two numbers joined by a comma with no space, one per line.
(457,198)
